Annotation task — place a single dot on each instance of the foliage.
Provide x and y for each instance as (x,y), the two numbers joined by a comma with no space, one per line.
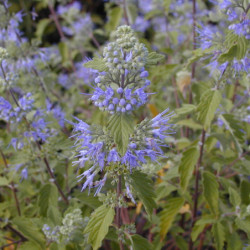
(88,157)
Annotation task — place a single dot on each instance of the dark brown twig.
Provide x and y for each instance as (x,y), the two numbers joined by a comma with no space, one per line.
(196,192)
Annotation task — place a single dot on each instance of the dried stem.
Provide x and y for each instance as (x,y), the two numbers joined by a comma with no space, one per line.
(196,192)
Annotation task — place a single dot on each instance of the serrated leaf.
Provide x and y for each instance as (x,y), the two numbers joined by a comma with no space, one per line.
(168,214)
(41,27)
(154,58)
(54,215)
(29,245)
(210,101)
(64,51)
(88,200)
(199,53)
(234,197)
(121,127)
(186,168)
(244,224)
(211,191)
(245,192)
(196,230)
(48,197)
(143,187)
(185,109)
(140,243)
(114,16)
(219,235)
(234,242)
(3,181)
(98,225)
(166,5)
(190,124)
(30,231)
(234,128)
(96,63)
(229,55)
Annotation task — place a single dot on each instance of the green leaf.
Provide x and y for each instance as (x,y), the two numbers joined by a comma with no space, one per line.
(98,225)
(244,224)
(88,200)
(30,231)
(29,245)
(234,197)
(190,124)
(140,243)
(114,16)
(120,127)
(48,197)
(211,191)
(168,214)
(199,53)
(196,230)
(234,242)
(166,5)
(185,109)
(3,181)
(186,168)
(54,215)
(234,128)
(96,63)
(41,26)
(245,192)
(229,55)
(210,101)
(219,235)
(237,48)
(64,51)
(154,58)
(143,187)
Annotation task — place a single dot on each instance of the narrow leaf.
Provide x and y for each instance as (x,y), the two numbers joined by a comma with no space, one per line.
(96,63)
(211,192)
(98,225)
(143,187)
(210,101)
(154,58)
(219,235)
(186,167)
(168,214)
(120,127)
(140,243)
(48,197)
(30,231)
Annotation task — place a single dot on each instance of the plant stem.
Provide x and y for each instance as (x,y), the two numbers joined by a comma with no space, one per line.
(125,12)
(190,98)
(118,209)
(12,184)
(45,160)
(196,192)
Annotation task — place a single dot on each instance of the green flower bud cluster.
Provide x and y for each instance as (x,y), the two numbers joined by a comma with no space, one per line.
(71,223)
(125,53)
(3,54)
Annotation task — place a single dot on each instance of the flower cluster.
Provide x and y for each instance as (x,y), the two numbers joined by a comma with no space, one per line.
(71,222)
(210,37)
(97,148)
(122,87)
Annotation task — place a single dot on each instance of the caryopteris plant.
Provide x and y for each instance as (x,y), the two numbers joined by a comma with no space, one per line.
(118,152)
